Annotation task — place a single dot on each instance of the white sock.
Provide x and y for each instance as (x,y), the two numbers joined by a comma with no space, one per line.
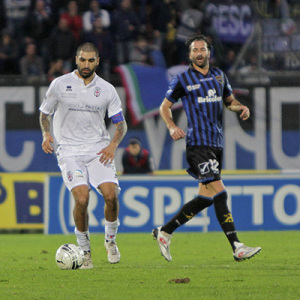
(83,240)
(111,229)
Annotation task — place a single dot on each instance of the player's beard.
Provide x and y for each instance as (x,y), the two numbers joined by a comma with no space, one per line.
(201,65)
(88,74)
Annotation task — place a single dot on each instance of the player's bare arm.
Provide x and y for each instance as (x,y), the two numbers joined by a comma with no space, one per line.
(47,138)
(166,113)
(107,154)
(234,105)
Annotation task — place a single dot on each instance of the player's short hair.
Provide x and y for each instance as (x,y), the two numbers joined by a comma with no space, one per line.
(197,37)
(88,47)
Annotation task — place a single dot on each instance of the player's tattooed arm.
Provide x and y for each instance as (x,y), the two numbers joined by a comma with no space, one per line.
(47,138)
(121,129)
(107,154)
(44,123)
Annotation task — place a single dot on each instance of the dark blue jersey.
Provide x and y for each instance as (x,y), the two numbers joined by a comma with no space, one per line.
(202,97)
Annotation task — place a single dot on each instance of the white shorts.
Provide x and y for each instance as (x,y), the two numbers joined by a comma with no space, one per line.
(86,170)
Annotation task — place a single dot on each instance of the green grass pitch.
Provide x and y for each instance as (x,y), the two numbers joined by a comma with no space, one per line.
(28,269)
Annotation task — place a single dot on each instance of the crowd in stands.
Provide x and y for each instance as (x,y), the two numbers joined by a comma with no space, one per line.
(38,38)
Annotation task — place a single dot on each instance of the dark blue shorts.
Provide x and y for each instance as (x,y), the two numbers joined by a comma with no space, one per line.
(205,163)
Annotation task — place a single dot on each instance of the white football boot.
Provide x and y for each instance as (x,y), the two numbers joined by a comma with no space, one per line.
(243,252)
(87,263)
(164,240)
(113,253)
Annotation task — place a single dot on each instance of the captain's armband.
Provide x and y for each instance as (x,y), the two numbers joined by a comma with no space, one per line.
(117,118)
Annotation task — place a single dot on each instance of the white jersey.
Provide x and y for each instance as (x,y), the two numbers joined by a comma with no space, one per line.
(78,113)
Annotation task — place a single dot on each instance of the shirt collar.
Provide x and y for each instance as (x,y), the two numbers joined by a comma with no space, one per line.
(196,71)
(81,80)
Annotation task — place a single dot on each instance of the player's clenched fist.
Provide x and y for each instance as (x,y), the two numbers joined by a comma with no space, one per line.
(176,133)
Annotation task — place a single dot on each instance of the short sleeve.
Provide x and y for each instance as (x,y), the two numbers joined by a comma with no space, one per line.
(227,87)
(175,90)
(115,105)
(50,100)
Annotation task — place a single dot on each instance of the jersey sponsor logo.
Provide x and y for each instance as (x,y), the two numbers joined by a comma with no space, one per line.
(204,168)
(214,165)
(69,95)
(83,107)
(78,173)
(97,91)
(193,87)
(212,97)
(219,79)
(210,166)
(205,79)
(69,88)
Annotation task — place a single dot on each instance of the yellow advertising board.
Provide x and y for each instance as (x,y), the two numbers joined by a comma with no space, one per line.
(22,200)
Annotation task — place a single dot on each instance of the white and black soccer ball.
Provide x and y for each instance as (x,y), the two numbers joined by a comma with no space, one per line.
(69,257)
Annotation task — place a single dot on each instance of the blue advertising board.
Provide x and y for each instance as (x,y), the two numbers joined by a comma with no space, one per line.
(257,202)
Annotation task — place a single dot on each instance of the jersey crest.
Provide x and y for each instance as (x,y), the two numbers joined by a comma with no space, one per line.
(97,91)
(219,78)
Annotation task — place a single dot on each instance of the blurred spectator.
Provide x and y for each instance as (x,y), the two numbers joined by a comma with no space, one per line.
(125,23)
(74,19)
(141,51)
(16,12)
(182,5)
(2,15)
(83,6)
(251,67)
(228,61)
(108,4)
(169,48)
(136,159)
(95,12)
(103,39)
(50,6)
(37,26)
(62,44)
(253,73)
(22,44)
(161,16)
(38,23)
(8,53)
(56,69)
(59,6)
(31,65)
(140,7)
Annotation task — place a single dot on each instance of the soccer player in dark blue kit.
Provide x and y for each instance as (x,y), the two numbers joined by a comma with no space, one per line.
(203,90)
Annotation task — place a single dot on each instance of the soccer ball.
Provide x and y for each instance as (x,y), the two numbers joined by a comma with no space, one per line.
(69,257)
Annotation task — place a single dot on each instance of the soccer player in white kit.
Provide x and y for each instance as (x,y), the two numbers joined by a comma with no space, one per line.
(76,105)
